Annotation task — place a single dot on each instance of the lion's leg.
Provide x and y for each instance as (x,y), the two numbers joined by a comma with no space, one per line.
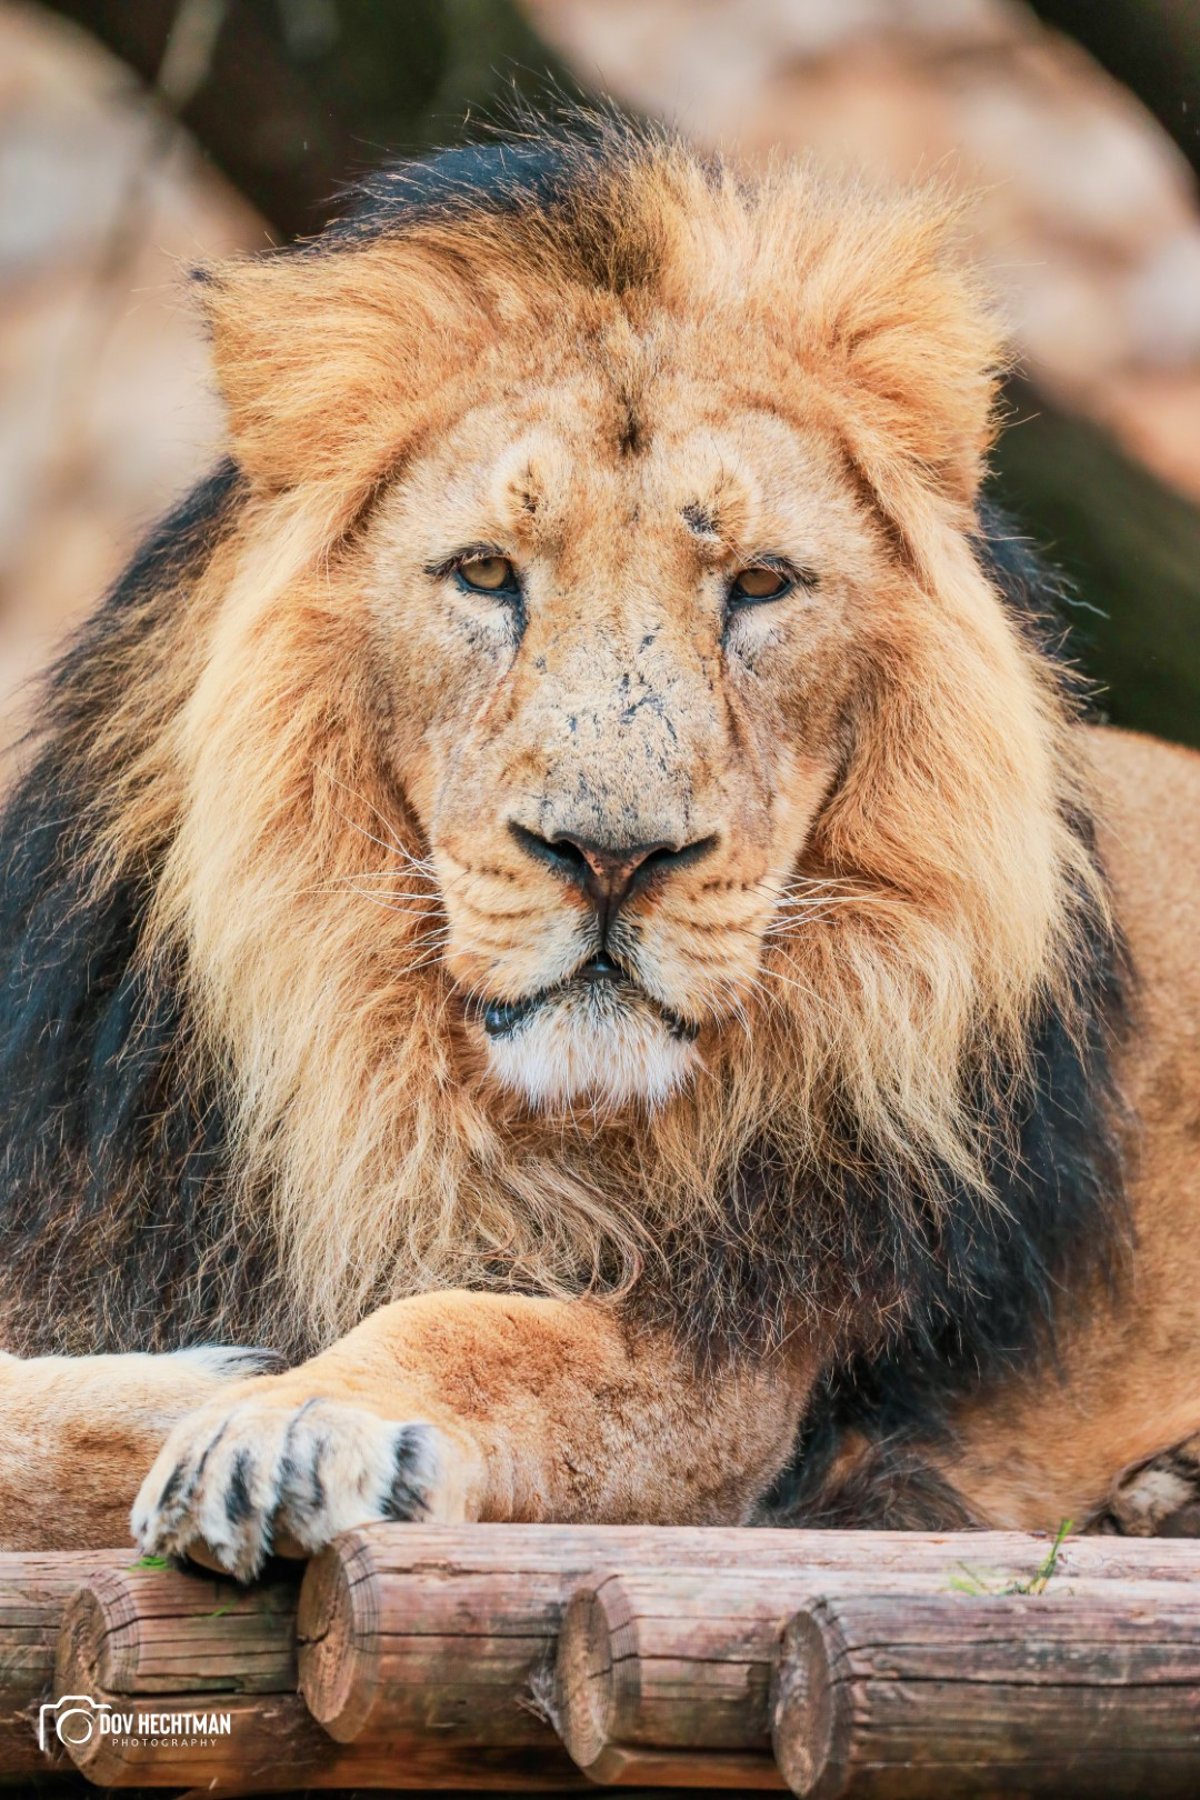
(468,1406)
(76,1435)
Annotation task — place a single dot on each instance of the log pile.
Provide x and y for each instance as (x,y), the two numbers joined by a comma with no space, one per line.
(527,1659)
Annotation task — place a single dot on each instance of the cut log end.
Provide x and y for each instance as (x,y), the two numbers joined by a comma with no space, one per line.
(329,1636)
(811,1747)
(658,1684)
(87,1623)
(1085,1691)
(584,1682)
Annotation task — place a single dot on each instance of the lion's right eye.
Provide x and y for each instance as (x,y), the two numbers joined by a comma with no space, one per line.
(488,575)
(759,582)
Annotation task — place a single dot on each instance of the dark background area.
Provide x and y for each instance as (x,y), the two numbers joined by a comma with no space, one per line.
(297,98)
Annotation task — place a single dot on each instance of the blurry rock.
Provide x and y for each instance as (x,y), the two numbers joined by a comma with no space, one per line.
(1164,302)
(106,410)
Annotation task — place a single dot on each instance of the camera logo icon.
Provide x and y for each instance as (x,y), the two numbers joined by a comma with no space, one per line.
(71,1719)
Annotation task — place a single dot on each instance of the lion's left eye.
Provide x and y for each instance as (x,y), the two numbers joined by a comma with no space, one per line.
(759,582)
(488,574)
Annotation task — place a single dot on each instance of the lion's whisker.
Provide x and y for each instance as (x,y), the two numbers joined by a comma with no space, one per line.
(407,912)
(396,844)
(363,832)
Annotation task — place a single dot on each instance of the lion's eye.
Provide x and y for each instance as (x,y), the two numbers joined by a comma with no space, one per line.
(759,582)
(488,574)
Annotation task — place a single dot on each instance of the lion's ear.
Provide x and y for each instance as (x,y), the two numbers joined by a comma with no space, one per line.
(914,344)
(323,358)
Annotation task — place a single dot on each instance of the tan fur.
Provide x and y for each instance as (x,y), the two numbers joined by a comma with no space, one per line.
(1052,1445)
(535,1410)
(342,739)
(74,1432)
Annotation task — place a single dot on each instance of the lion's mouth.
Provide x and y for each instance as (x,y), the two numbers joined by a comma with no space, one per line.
(605,983)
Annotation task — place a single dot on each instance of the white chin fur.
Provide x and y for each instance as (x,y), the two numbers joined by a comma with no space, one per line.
(592,1050)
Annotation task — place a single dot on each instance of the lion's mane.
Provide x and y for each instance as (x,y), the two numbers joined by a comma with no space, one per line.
(232,1099)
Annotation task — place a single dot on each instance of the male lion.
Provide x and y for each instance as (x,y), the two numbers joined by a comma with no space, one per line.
(565,893)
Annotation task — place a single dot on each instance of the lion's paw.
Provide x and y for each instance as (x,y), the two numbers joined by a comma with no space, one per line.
(1162,1497)
(237,1480)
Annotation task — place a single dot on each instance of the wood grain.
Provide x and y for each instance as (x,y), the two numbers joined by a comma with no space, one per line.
(180,1645)
(898,1697)
(454,1629)
(430,1651)
(664,1677)
(34,1588)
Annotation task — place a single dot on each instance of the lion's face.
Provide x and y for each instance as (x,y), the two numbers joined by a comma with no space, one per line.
(621,647)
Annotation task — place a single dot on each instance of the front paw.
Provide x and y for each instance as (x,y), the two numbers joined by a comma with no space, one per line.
(238,1479)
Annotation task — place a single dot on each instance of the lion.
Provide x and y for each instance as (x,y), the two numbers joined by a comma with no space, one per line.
(568,908)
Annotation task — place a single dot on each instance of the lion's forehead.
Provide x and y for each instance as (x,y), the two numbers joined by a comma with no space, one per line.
(577,467)
(657,429)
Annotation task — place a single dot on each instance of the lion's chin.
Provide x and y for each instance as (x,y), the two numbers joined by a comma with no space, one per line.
(594,1048)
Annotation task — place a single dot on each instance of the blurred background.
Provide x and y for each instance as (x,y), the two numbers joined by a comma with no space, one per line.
(139,136)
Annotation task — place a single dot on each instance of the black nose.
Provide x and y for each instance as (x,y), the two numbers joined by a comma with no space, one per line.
(608,873)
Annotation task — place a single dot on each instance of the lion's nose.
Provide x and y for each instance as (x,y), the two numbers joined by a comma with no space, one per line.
(608,873)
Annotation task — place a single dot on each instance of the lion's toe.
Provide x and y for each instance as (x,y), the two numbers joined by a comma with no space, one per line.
(344,1467)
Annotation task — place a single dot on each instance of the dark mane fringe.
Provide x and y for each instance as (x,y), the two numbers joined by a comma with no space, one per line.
(562,185)
(114,1222)
(1037,595)
(989,1283)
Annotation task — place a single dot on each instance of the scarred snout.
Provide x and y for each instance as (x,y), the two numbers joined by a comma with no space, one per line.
(614,905)
(603,822)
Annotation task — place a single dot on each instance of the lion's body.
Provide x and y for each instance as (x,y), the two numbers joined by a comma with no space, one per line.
(1127,1383)
(720,983)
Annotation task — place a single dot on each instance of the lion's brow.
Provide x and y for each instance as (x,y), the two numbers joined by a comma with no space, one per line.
(702,518)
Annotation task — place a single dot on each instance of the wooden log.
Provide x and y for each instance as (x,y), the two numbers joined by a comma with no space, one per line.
(33,1591)
(198,1677)
(157,1641)
(452,1629)
(895,1697)
(435,1633)
(664,1677)
(151,1643)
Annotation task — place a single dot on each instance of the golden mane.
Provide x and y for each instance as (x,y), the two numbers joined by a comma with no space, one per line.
(943,898)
